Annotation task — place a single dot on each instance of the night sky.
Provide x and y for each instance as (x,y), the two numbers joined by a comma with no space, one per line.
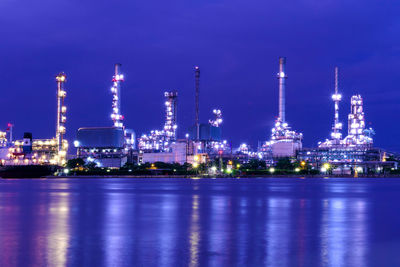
(236,44)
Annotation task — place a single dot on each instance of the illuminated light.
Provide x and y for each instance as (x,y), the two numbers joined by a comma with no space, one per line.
(271,170)
(327,166)
(76,143)
(323,169)
(195,165)
(61,78)
(66,171)
(196,158)
(337,97)
(281,74)
(297,169)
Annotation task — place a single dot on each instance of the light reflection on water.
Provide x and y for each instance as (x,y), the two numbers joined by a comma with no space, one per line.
(194,238)
(58,236)
(167,222)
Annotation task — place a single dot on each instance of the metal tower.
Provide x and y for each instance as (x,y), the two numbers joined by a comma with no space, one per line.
(336,97)
(62,144)
(197,83)
(116,103)
(170,114)
(282,77)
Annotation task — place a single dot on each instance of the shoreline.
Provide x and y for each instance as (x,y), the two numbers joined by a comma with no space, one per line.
(211,177)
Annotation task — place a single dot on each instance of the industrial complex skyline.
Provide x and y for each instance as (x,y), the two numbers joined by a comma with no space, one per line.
(284,141)
(238,64)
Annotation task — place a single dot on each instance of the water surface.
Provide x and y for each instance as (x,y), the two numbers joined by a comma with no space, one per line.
(205,222)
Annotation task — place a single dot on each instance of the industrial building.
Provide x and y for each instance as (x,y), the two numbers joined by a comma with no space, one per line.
(355,151)
(104,146)
(207,138)
(30,151)
(108,146)
(3,139)
(161,140)
(177,153)
(202,139)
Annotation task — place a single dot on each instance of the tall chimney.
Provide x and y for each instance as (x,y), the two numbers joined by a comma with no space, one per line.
(197,84)
(282,77)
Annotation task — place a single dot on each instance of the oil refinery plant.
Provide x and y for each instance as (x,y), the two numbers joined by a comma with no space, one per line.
(115,146)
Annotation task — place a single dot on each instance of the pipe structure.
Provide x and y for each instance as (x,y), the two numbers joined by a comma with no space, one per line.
(62,144)
(282,77)
(116,103)
(197,84)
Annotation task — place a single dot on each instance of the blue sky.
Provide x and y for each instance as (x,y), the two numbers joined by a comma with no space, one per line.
(236,44)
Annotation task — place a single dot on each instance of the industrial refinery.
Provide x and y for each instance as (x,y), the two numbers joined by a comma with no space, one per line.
(116,146)
(29,151)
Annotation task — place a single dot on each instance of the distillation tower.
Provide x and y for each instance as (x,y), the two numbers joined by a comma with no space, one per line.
(161,140)
(170,125)
(116,103)
(62,143)
(357,134)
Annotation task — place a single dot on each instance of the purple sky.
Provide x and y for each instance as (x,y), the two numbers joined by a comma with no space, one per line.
(235,43)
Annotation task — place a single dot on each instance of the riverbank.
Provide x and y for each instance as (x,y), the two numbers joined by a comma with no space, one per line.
(213,177)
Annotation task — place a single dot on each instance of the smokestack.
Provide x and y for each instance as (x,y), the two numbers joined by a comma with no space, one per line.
(197,77)
(282,77)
